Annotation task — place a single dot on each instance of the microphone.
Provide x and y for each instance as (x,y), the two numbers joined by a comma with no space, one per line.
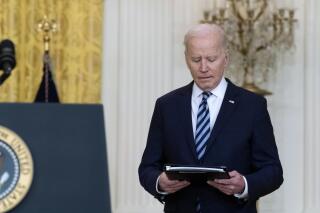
(7,56)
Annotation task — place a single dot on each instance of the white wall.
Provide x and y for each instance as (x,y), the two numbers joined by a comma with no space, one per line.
(143,59)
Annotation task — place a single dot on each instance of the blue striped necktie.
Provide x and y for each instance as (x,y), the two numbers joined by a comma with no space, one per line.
(202,132)
(203,125)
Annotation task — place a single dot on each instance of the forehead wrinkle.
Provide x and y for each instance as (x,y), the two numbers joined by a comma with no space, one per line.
(206,51)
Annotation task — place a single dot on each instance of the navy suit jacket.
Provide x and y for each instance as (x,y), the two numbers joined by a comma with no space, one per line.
(242,139)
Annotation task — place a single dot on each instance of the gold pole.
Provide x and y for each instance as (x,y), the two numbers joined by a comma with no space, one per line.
(47,27)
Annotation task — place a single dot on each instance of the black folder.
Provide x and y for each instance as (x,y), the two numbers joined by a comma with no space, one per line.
(195,174)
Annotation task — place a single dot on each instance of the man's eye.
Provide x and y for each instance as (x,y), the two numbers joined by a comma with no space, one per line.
(212,59)
(196,60)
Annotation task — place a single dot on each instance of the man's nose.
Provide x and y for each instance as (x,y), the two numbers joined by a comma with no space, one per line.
(204,66)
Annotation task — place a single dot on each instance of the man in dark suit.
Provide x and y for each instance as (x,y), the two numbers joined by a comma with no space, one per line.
(211,122)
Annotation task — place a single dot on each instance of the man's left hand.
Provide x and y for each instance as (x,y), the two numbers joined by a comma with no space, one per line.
(234,185)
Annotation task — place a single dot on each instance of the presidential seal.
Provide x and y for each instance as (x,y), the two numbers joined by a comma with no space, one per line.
(16,169)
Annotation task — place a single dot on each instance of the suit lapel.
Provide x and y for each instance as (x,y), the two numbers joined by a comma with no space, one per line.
(186,118)
(228,106)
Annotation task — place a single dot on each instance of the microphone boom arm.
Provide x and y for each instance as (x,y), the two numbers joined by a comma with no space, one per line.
(4,77)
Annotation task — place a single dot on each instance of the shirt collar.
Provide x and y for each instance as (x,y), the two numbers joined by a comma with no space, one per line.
(219,91)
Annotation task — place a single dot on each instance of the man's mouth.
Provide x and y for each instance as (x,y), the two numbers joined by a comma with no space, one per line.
(205,77)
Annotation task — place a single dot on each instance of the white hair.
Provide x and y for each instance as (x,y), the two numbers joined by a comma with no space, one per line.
(202,30)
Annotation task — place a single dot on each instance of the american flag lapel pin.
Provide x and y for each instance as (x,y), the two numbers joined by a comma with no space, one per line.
(231,101)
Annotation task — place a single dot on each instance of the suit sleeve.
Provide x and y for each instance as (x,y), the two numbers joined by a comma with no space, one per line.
(152,160)
(267,171)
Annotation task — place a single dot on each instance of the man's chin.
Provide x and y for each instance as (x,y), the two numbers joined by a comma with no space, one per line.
(206,86)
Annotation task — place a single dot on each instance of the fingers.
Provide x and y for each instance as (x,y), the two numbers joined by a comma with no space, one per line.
(176,187)
(171,186)
(234,185)
(226,189)
(233,173)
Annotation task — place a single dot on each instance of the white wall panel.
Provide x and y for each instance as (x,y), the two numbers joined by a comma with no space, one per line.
(312,108)
(142,72)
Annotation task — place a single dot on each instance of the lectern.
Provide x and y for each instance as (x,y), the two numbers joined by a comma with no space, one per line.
(67,144)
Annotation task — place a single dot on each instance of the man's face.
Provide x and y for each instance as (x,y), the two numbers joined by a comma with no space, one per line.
(206,59)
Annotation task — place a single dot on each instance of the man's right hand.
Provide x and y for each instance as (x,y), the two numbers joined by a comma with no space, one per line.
(171,186)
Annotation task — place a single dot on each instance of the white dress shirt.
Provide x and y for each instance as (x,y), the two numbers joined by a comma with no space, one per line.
(214,102)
